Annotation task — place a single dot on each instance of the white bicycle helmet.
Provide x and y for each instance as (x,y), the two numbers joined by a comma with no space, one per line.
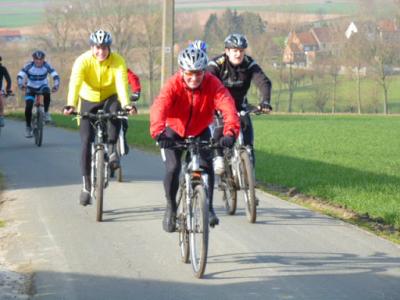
(100,38)
(192,59)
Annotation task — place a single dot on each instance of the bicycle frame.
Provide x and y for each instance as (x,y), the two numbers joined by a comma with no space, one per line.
(98,145)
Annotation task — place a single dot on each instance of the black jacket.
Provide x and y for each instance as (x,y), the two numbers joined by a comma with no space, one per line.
(237,79)
(4,73)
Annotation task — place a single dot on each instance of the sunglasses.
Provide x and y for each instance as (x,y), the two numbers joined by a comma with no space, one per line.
(193,73)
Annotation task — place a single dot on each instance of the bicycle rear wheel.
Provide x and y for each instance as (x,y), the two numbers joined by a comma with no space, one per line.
(229,193)
(198,235)
(99,183)
(182,225)
(118,172)
(246,169)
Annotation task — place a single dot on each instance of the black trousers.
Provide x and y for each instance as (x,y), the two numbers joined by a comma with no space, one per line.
(173,164)
(87,131)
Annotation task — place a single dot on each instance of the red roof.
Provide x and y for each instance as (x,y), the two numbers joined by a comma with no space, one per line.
(387,26)
(9,32)
(323,34)
(306,38)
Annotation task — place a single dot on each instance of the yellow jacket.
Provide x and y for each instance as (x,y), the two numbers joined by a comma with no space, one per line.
(95,81)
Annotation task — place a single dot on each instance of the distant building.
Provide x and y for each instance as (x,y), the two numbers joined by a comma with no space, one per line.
(8,35)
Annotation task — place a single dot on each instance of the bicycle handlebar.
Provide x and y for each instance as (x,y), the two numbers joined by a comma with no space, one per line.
(101,115)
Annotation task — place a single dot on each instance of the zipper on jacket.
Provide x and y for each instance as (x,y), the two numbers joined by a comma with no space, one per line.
(190,113)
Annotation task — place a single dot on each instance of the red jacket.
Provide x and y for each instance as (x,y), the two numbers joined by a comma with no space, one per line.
(133,81)
(189,112)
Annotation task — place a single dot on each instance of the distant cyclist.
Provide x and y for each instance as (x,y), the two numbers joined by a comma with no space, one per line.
(4,74)
(98,81)
(185,108)
(33,80)
(237,71)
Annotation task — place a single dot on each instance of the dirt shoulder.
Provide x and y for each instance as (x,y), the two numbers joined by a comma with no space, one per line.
(374,225)
(15,279)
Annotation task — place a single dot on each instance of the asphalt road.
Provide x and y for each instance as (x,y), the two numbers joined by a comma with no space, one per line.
(290,253)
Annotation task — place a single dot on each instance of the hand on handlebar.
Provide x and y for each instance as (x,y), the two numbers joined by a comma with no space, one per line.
(227,141)
(135,96)
(264,107)
(68,110)
(165,141)
(54,89)
(131,109)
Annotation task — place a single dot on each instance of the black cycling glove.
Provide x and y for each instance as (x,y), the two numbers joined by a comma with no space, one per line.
(165,141)
(227,141)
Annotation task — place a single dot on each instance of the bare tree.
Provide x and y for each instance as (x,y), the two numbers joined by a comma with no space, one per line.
(358,54)
(385,55)
(60,20)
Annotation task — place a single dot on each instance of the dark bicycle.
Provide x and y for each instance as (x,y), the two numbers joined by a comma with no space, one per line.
(37,122)
(193,203)
(239,175)
(100,171)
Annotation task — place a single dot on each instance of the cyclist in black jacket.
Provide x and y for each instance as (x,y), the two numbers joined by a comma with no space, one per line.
(4,74)
(237,70)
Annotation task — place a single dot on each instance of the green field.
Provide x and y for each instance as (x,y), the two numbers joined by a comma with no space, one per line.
(349,160)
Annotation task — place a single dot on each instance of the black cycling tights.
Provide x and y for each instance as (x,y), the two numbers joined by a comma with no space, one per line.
(29,107)
(111,104)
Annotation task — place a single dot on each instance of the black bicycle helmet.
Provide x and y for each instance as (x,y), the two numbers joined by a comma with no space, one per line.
(38,54)
(236,40)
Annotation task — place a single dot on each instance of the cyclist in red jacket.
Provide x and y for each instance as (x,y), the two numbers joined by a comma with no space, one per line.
(134,83)
(185,107)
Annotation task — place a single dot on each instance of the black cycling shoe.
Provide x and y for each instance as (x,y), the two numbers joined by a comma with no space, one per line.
(85,198)
(212,217)
(169,221)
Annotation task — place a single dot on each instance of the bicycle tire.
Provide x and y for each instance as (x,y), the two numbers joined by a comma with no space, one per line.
(118,172)
(246,169)
(99,187)
(39,127)
(229,192)
(198,235)
(182,226)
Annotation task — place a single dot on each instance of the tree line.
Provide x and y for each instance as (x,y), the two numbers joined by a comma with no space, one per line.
(135,26)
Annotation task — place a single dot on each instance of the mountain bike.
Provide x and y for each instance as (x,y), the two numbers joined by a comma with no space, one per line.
(239,175)
(192,203)
(100,171)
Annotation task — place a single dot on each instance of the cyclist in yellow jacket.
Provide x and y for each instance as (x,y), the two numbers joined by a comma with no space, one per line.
(98,81)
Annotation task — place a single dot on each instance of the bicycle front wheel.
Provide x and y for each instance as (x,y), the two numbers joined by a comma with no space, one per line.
(99,183)
(246,169)
(182,225)
(199,230)
(38,128)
